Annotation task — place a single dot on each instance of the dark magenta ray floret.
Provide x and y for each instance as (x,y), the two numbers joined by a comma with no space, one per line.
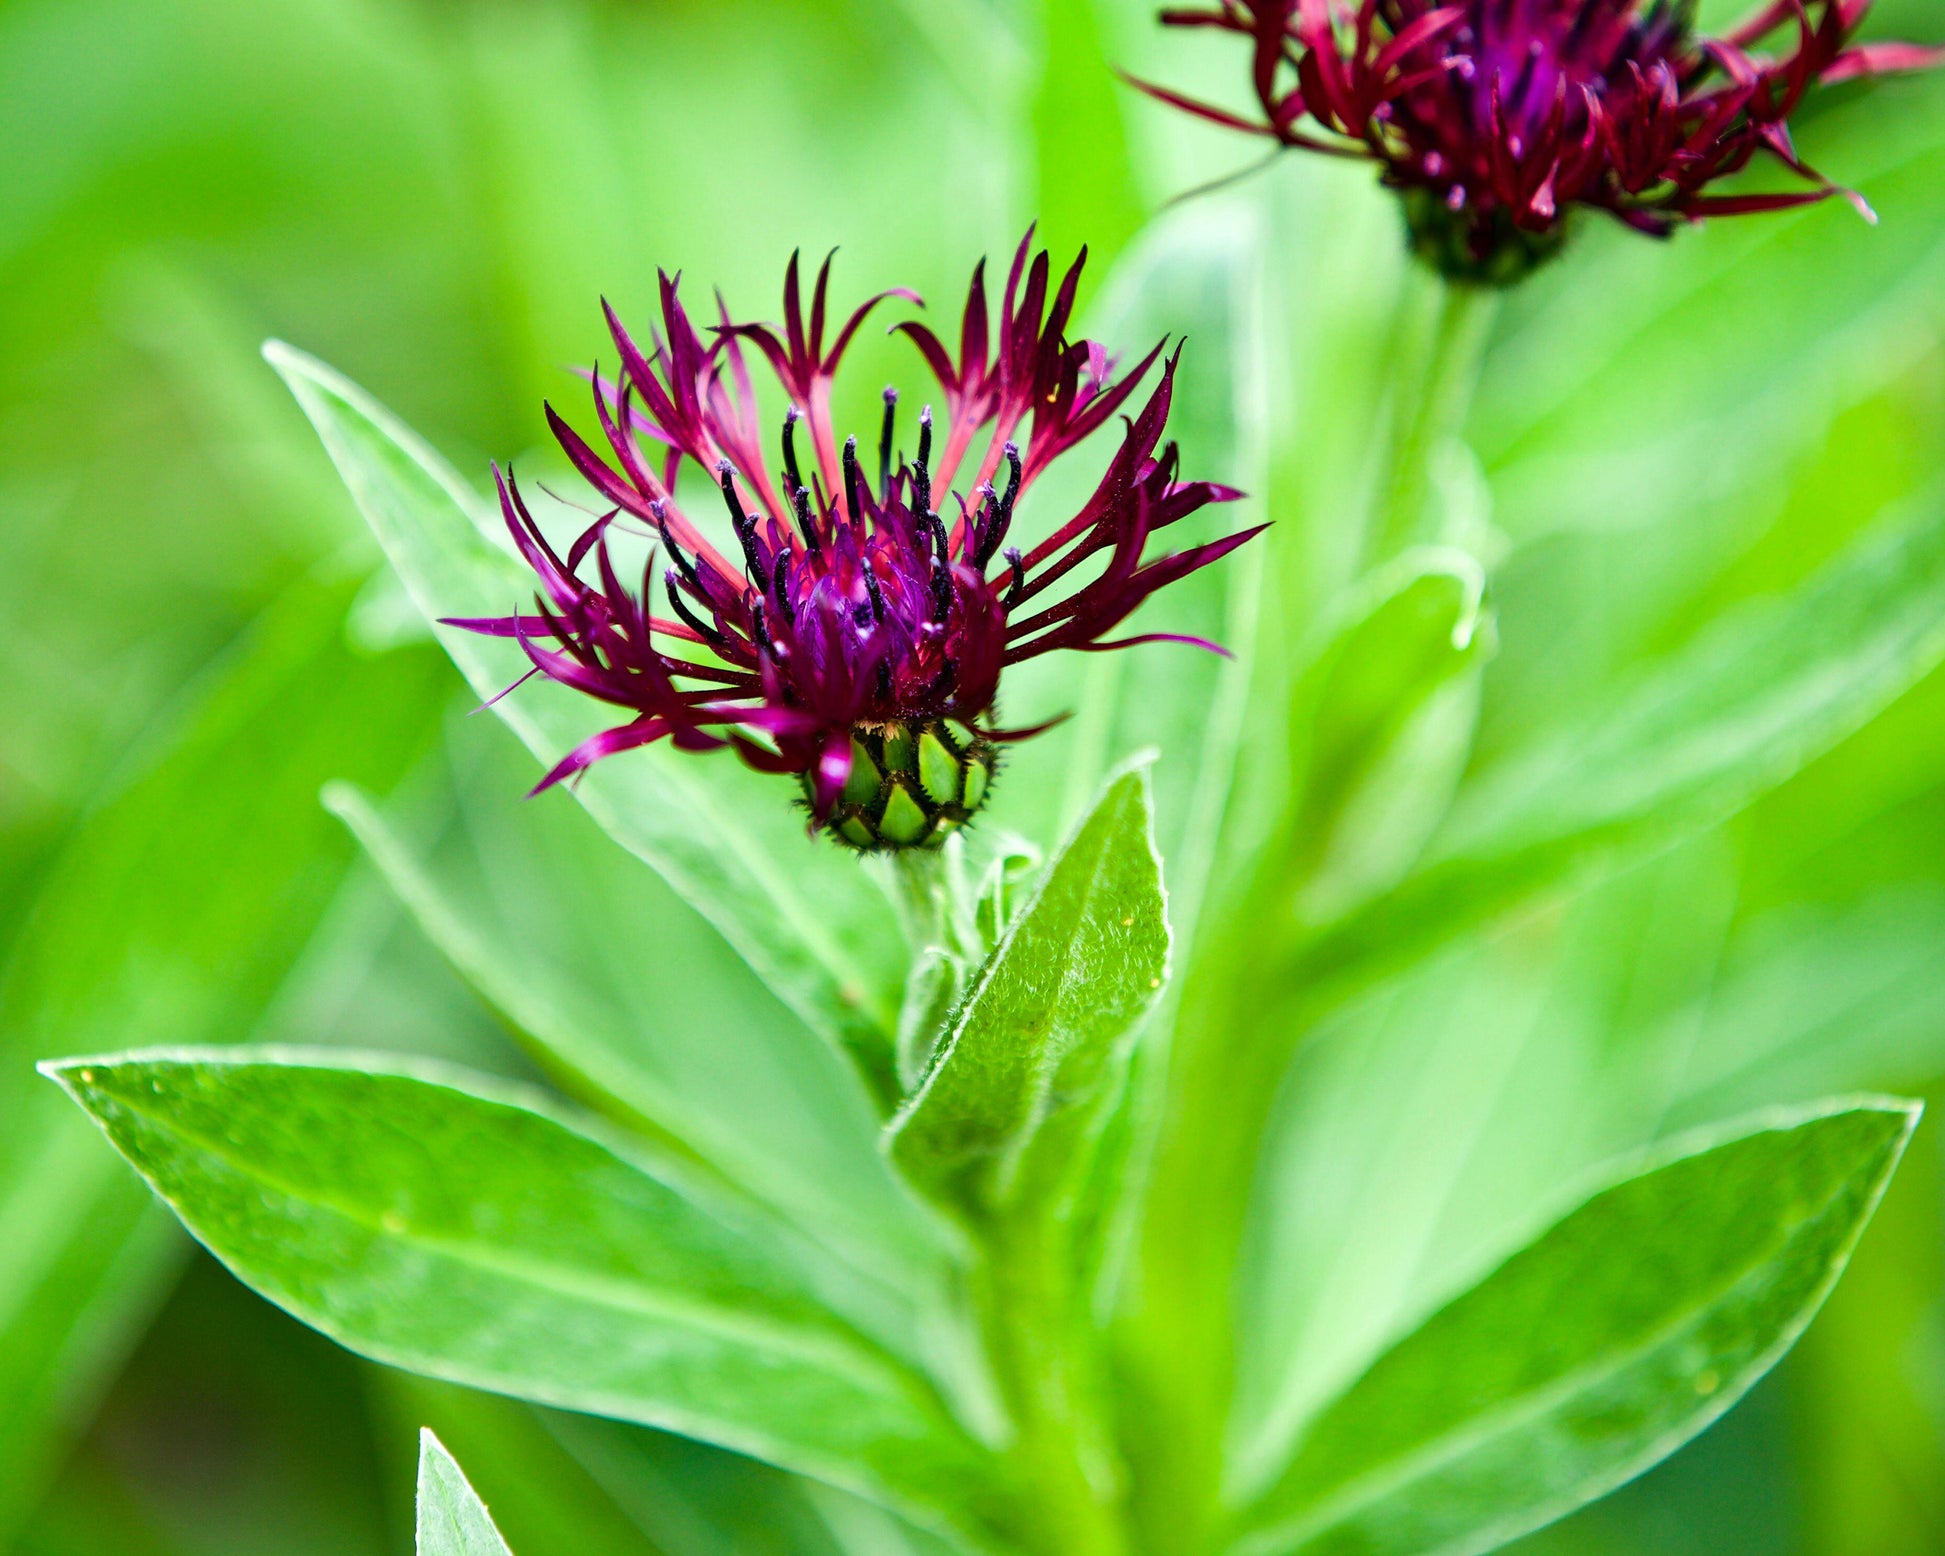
(860,616)
(1497,117)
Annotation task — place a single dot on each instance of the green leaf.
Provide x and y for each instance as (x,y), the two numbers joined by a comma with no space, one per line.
(1743,707)
(1383,727)
(1088,190)
(729,840)
(1569,1370)
(1037,1041)
(461,1231)
(172,912)
(634,1003)
(452,1520)
(544,1502)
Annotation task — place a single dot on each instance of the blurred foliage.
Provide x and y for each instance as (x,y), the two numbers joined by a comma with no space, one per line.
(432,195)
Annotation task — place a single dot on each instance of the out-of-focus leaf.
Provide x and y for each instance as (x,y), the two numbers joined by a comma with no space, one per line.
(630,997)
(1748,703)
(173,911)
(544,1502)
(1088,191)
(452,1521)
(1383,726)
(1569,1370)
(1035,1045)
(465,1234)
(724,837)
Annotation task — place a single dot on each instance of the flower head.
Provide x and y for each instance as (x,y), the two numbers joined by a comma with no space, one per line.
(1496,118)
(854,629)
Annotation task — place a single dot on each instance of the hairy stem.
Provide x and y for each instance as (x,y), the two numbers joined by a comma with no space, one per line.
(1046,1364)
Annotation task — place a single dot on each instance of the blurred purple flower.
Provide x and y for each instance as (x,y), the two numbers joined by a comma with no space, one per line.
(1495,118)
(860,640)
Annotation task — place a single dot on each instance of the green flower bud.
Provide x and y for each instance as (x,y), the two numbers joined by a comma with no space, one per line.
(912,784)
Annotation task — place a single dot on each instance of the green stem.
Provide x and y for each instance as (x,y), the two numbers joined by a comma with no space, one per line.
(1045,1365)
(1240,1023)
(918,883)
(1437,374)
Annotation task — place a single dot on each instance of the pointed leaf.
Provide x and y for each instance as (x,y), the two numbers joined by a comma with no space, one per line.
(457,1229)
(635,1004)
(1750,702)
(173,911)
(1569,1370)
(452,1519)
(1037,1040)
(730,841)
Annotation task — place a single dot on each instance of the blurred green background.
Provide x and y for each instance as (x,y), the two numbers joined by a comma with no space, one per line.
(432,194)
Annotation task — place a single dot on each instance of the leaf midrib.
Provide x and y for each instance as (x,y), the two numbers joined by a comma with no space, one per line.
(610,1292)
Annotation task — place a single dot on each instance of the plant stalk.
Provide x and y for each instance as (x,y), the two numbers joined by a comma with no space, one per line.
(1239,1026)
(1045,1365)
(1437,374)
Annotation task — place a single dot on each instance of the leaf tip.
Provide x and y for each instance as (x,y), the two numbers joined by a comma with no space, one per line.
(345,800)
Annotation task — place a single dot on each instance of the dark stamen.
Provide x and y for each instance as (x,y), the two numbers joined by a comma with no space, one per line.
(806,521)
(1001,510)
(684,565)
(1019,583)
(922,472)
(695,624)
(745,528)
(781,593)
(790,420)
(851,503)
(877,594)
(884,446)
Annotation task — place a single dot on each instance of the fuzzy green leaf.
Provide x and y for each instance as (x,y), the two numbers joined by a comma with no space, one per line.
(174,911)
(1569,1370)
(1037,1039)
(635,1005)
(455,1229)
(727,839)
(452,1519)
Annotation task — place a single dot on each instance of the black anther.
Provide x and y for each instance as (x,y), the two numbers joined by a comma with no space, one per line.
(806,521)
(681,607)
(851,480)
(790,420)
(884,446)
(922,472)
(745,524)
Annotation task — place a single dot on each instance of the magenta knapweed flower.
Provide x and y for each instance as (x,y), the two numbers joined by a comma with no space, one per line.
(1496,118)
(860,642)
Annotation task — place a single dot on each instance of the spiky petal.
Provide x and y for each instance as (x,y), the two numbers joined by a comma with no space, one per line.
(1496,119)
(850,623)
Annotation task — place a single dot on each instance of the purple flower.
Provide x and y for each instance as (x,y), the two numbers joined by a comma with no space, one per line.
(1495,118)
(859,638)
